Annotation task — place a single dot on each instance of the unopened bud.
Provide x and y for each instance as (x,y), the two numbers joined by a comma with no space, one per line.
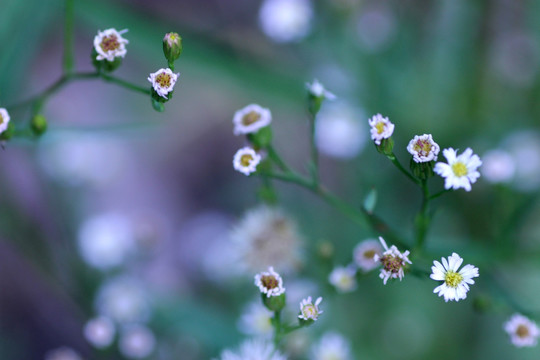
(274,303)
(39,124)
(172,46)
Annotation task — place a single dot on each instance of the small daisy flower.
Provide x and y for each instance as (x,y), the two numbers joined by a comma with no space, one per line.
(393,262)
(163,81)
(110,44)
(423,148)
(4,120)
(498,166)
(246,160)
(258,349)
(522,331)
(331,346)
(250,119)
(460,172)
(381,128)
(269,283)
(364,254)
(343,279)
(317,90)
(456,284)
(308,310)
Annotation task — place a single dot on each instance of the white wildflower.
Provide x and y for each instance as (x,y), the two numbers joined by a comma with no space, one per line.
(364,254)
(269,283)
(456,283)
(423,148)
(381,128)
(256,320)
(266,236)
(163,81)
(393,262)
(318,90)
(124,300)
(99,332)
(136,342)
(246,160)
(308,310)
(460,172)
(254,349)
(250,119)
(4,120)
(338,130)
(343,278)
(110,44)
(498,166)
(331,346)
(286,20)
(522,331)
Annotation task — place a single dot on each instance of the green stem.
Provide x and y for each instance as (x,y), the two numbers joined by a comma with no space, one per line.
(422,219)
(277,327)
(436,195)
(277,159)
(69,54)
(314,166)
(396,162)
(361,217)
(126,84)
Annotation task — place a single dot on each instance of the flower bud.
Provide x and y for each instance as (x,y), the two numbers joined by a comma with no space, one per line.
(105,65)
(39,124)
(386,147)
(8,133)
(172,47)
(422,170)
(262,138)
(274,303)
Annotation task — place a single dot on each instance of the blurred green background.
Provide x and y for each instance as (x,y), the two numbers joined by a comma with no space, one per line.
(464,71)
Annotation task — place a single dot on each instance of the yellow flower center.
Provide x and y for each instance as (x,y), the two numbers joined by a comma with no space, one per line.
(380,127)
(246,159)
(453,279)
(369,254)
(269,282)
(422,147)
(250,118)
(164,80)
(459,169)
(109,43)
(522,331)
(1,119)
(309,311)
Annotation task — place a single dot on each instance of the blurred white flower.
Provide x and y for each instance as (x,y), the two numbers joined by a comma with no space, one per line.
(4,120)
(423,148)
(110,44)
(106,240)
(83,159)
(331,346)
(286,20)
(246,160)
(393,262)
(250,119)
(124,300)
(522,331)
(256,320)
(524,147)
(461,171)
(269,283)
(318,90)
(498,166)
(254,349)
(63,353)
(456,284)
(381,128)
(343,279)
(163,81)
(309,310)
(364,254)
(136,342)
(338,130)
(376,27)
(99,332)
(265,236)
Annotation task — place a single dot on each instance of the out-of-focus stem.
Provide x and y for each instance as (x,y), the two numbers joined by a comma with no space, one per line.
(69,54)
